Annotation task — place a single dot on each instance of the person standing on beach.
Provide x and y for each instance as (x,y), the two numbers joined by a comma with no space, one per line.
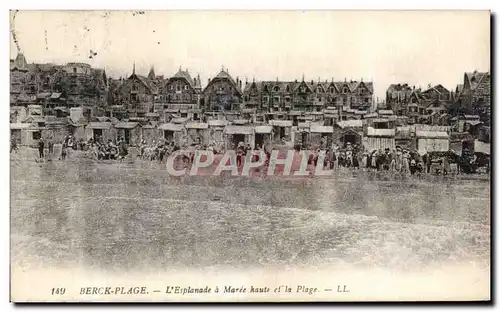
(41,146)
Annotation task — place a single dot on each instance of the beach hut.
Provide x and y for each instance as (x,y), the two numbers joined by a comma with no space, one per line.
(197,133)
(319,132)
(379,139)
(281,130)
(130,131)
(234,134)
(216,130)
(348,131)
(100,130)
(171,132)
(263,136)
(432,141)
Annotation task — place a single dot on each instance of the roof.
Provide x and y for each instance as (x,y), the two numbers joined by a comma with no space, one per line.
(238,129)
(184,74)
(385,112)
(152,115)
(475,78)
(196,125)
(381,132)
(481,147)
(103,119)
(217,122)
(321,129)
(380,120)
(43,95)
(263,129)
(179,120)
(350,123)
(99,125)
(170,127)
(472,117)
(55,95)
(280,123)
(225,75)
(126,125)
(473,122)
(20,125)
(432,134)
(240,122)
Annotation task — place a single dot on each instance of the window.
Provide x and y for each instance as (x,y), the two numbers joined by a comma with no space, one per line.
(178,88)
(303,89)
(266,89)
(265,99)
(287,99)
(186,87)
(367,99)
(247,97)
(345,90)
(344,101)
(178,97)
(134,87)
(319,89)
(320,99)
(276,99)
(171,87)
(332,89)
(36,135)
(74,70)
(287,88)
(276,89)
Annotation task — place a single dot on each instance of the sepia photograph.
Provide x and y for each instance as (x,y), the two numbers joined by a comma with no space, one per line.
(250,156)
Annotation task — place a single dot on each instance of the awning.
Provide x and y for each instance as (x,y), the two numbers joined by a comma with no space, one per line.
(217,123)
(280,123)
(473,122)
(350,123)
(196,125)
(43,95)
(329,115)
(239,122)
(294,113)
(170,127)
(126,125)
(263,129)
(481,147)
(152,115)
(380,132)
(179,120)
(380,120)
(99,125)
(238,130)
(432,134)
(321,129)
(17,126)
(171,110)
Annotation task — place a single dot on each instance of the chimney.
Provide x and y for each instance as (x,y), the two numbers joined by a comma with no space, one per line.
(240,84)
(208,80)
(312,82)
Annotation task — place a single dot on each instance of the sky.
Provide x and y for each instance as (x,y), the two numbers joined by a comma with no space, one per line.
(414,47)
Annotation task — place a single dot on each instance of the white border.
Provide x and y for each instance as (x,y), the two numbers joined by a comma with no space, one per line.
(190,5)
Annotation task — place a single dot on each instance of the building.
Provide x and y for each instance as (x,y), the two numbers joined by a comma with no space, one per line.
(137,94)
(222,93)
(474,96)
(303,96)
(181,92)
(397,98)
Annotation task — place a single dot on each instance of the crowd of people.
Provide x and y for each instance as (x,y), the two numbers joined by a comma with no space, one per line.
(352,156)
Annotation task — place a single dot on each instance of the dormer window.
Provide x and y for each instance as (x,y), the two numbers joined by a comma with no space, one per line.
(186,87)
(303,89)
(287,88)
(266,89)
(332,89)
(345,90)
(134,87)
(276,88)
(319,89)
